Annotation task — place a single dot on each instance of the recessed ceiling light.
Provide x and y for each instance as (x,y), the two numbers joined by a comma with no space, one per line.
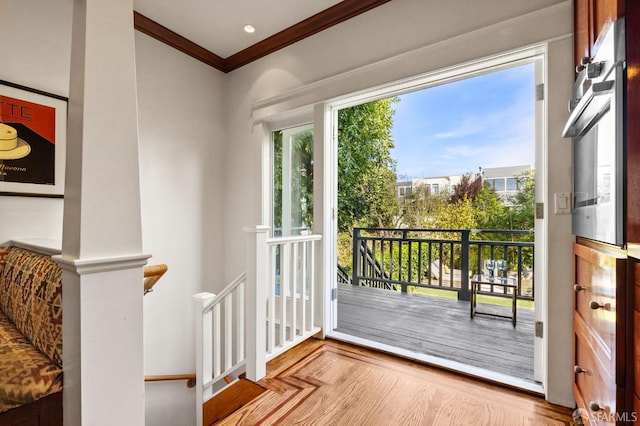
(249,29)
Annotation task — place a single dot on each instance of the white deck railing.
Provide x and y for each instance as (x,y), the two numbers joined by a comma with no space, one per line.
(262,313)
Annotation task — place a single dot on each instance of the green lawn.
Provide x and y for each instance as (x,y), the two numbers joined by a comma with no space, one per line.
(493,300)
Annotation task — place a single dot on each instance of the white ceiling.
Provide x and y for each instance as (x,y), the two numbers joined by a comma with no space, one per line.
(217,25)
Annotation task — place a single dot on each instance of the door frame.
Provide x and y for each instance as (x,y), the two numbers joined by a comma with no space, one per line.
(326,117)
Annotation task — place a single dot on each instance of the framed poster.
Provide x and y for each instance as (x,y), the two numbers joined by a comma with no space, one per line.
(33,136)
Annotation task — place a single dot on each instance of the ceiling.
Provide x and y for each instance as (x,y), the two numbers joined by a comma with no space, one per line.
(217,25)
(213,30)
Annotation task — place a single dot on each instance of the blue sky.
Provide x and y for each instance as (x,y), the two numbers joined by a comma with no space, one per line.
(454,128)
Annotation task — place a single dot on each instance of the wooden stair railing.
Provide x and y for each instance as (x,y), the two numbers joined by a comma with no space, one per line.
(152,274)
(190,378)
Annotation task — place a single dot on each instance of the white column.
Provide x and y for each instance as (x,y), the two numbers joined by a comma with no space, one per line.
(101,250)
(256,297)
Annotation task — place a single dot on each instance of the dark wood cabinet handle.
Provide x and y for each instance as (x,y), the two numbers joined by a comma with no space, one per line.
(595,305)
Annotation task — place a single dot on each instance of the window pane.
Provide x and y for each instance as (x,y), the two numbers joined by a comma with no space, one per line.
(293,181)
(512,184)
(498,184)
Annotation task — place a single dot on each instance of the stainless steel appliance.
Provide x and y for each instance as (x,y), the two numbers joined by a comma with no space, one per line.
(596,126)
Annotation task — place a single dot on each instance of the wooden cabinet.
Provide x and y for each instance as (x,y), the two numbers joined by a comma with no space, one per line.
(582,30)
(600,331)
(591,18)
(608,343)
(632,125)
(633,275)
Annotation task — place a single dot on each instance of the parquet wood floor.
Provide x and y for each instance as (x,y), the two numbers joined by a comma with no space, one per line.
(334,383)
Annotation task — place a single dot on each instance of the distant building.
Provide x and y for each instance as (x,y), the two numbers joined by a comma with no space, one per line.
(504,180)
(404,189)
(437,185)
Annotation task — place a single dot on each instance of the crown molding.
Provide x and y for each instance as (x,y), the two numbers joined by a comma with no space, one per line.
(175,40)
(334,15)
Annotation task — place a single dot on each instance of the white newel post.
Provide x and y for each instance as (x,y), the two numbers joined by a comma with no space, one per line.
(102,256)
(256,312)
(204,351)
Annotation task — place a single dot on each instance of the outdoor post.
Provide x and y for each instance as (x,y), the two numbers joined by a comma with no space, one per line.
(404,285)
(464,266)
(356,258)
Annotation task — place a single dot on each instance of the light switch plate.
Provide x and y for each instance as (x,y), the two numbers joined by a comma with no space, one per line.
(562,203)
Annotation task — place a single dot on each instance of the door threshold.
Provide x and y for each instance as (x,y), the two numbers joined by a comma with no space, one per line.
(453,366)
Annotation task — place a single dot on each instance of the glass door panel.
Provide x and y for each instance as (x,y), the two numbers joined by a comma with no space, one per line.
(293,181)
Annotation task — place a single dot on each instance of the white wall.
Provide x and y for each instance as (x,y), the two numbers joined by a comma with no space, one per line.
(559,249)
(393,42)
(182,134)
(35,48)
(181,137)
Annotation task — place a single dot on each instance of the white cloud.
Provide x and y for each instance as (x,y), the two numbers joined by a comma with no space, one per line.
(487,137)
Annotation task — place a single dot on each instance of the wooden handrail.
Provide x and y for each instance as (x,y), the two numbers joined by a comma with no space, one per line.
(152,274)
(190,378)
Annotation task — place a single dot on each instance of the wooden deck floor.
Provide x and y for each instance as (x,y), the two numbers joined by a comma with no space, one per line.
(439,327)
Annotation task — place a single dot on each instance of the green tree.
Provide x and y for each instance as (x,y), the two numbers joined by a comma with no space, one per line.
(458,215)
(418,208)
(490,212)
(525,201)
(366,171)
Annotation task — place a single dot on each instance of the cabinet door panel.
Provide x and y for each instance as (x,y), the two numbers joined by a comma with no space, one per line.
(595,300)
(636,365)
(633,126)
(604,13)
(591,18)
(581,30)
(595,384)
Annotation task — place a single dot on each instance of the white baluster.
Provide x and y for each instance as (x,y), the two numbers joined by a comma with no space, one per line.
(271,300)
(285,283)
(204,349)
(295,275)
(240,318)
(217,334)
(303,289)
(228,331)
(312,280)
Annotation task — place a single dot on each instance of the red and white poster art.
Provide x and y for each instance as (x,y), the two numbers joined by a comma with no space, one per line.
(32,141)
